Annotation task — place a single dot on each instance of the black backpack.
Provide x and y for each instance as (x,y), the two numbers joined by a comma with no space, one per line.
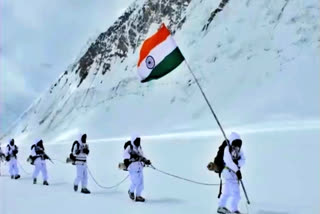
(218,163)
(72,158)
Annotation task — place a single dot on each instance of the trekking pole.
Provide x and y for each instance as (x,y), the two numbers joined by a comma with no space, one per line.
(244,189)
(245,192)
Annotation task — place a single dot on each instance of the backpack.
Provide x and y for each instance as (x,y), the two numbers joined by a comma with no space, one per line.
(72,159)
(122,165)
(218,163)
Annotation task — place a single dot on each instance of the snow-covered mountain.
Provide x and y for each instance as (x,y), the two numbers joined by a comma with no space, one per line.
(258,63)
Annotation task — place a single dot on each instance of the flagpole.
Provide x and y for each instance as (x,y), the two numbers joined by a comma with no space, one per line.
(206,99)
(215,117)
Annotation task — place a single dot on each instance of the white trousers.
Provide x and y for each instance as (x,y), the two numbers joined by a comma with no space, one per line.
(82,175)
(40,166)
(136,182)
(13,167)
(230,190)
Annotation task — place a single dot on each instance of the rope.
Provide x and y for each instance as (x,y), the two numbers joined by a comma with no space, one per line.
(105,187)
(95,181)
(20,165)
(59,160)
(181,178)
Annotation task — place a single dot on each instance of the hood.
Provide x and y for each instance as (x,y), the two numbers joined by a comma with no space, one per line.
(133,137)
(234,136)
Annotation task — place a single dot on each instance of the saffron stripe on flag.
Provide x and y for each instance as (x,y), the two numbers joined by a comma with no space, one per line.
(152,42)
(158,54)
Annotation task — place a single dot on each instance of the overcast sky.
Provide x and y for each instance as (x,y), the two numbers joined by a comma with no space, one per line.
(39,39)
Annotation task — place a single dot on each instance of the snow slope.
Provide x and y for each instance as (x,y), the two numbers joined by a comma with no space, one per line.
(281,175)
(258,62)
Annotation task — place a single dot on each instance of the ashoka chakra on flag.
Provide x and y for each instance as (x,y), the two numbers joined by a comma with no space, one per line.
(159,55)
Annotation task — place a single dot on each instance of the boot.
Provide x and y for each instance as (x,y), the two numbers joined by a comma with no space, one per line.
(12,177)
(85,191)
(140,199)
(236,212)
(17,177)
(45,183)
(34,181)
(75,188)
(131,195)
(223,210)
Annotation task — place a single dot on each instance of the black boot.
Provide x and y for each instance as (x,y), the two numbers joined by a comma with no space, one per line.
(85,191)
(12,177)
(17,177)
(223,210)
(140,199)
(34,181)
(45,183)
(131,195)
(75,188)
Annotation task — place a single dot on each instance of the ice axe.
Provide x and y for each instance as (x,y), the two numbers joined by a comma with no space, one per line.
(47,157)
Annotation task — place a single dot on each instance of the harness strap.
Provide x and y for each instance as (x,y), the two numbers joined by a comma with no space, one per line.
(220,188)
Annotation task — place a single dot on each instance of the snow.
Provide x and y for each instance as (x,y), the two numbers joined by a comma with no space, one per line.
(281,175)
(260,70)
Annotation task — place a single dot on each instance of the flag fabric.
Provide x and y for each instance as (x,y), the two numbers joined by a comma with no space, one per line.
(159,55)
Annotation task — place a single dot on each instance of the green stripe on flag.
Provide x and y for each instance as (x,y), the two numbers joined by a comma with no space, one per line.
(169,63)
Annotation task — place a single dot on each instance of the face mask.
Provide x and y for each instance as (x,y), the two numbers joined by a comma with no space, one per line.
(235,152)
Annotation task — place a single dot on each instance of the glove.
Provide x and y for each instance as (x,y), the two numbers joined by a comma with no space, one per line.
(239,176)
(147,162)
(8,158)
(126,162)
(15,152)
(210,166)
(86,151)
(45,156)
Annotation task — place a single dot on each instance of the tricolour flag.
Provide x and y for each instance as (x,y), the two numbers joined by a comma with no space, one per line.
(159,55)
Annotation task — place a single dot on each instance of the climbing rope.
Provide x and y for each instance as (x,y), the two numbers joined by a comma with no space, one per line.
(95,180)
(25,171)
(105,187)
(59,160)
(181,178)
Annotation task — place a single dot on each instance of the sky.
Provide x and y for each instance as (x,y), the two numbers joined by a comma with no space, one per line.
(39,39)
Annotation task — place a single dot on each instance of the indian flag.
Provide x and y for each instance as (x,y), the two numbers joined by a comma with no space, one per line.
(159,55)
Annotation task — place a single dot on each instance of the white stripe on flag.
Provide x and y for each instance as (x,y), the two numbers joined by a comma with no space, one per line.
(158,53)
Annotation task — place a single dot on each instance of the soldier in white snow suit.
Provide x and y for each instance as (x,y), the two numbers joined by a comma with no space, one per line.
(11,157)
(234,159)
(135,161)
(39,157)
(80,151)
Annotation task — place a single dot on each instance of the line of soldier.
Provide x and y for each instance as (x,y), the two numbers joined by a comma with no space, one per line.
(134,161)
(232,158)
